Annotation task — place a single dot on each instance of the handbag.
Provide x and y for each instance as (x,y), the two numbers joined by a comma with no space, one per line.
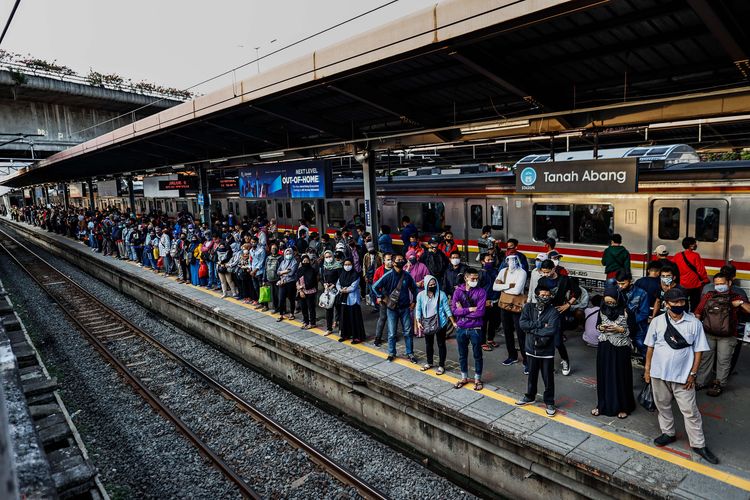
(160,262)
(646,398)
(510,302)
(264,294)
(203,270)
(431,325)
(328,298)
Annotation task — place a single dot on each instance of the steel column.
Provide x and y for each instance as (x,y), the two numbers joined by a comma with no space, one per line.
(131,195)
(92,205)
(203,190)
(372,223)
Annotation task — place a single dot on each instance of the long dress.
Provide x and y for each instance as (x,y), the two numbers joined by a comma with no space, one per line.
(352,324)
(614,373)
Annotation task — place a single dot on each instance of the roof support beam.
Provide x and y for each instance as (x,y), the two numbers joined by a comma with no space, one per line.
(721,32)
(255,138)
(309,122)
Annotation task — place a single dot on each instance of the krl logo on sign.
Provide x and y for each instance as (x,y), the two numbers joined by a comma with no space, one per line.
(528,176)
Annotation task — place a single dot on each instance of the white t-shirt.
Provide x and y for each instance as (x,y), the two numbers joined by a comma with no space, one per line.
(673,365)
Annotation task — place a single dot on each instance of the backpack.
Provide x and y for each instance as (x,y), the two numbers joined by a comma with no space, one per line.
(717,315)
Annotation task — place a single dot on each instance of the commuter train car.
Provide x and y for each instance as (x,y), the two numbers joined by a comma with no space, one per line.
(677,197)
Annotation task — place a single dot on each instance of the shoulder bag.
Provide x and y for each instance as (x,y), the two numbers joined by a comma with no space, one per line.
(510,302)
(395,294)
(673,337)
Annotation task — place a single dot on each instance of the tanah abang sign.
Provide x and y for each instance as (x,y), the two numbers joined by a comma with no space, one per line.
(585,176)
(284,180)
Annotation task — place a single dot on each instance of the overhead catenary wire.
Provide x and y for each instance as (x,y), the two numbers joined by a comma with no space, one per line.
(10,19)
(248,63)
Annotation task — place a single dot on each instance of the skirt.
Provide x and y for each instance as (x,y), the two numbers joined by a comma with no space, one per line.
(352,324)
(614,380)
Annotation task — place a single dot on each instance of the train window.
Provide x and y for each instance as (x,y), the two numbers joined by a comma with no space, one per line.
(255,209)
(428,217)
(308,211)
(669,223)
(707,224)
(279,210)
(496,217)
(552,221)
(336,214)
(476,217)
(594,224)
(288,210)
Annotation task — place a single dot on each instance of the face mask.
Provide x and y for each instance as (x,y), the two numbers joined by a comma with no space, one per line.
(305,264)
(722,288)
(399,264)
(667,280)
(412,243)
(432,288)
(329,259)
(488,265)
(543,300)
(538,265)
(556,262)
(455,262)
(512,264)
(288,257)
(412,259)
(472,283)
(245,252)
(347,268)
(678,310)
(373,251)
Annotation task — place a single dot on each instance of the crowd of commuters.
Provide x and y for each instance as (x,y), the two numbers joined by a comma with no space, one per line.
(681,327)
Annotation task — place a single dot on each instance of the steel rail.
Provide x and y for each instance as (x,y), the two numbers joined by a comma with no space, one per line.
(324,461)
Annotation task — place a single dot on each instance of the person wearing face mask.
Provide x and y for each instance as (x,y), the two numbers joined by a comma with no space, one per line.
(329,275)
(407,229)
(241,263)
(491,320)
(511,248)
(667,281)
(510,282)
(676,343)
(468,305)
(287,271)
(454,272)
(417,270)
(692,271)
(352,324)
(397,288)
(563,302)
(651,284)
(370,263)
(271,276)
(182,259)
(307,291)
(432,316)
(448,245)
(555,257)
(381,305)
(435,260)
(414,246)
(540,320)
(257,268)
(534,276)
(636,301)
(385,242)
(718,311)
(614,374)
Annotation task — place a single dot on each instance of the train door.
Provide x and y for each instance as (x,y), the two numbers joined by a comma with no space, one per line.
(669,224)
(707,222)
(482,212)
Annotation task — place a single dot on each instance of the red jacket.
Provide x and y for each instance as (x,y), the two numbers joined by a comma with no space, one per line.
(688,277)
(379,272)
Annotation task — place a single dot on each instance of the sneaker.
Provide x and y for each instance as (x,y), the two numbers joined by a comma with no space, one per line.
(413,359)
(565,365)
(510,361)
(525,369)
(378,343)
(664,440)
(715,390)
(706,454)
(391,357)
(551,410)
(524,401)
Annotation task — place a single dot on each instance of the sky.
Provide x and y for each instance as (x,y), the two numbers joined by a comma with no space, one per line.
(179,43)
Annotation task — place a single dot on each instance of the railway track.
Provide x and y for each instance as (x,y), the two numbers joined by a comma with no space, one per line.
(115,337)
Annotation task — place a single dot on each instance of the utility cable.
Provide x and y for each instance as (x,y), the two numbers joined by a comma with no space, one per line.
(10,18)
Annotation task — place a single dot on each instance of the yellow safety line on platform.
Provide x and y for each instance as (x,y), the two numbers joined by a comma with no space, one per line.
(719,475)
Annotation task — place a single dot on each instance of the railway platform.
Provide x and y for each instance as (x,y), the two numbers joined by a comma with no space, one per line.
(482,436)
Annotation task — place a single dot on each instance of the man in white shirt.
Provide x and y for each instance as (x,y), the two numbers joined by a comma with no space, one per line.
(675,343)
(510,282)
(534,276)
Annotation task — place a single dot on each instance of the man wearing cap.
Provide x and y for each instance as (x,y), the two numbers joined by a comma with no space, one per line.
(676,343)
(435,260)
(534,276)
(662,254)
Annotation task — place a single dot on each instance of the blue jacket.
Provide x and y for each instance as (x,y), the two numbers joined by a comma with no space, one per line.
(407,231)
(385,243)
(637,303)
(444,305)
(389,281)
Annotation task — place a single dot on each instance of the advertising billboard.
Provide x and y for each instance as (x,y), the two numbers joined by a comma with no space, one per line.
(284,180)
(582,176)
(108,189)
(76,189)
(151,187)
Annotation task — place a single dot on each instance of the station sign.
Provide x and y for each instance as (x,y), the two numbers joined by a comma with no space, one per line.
(182,183)
(108,189)
(618,175)
(296,180)
(76,189)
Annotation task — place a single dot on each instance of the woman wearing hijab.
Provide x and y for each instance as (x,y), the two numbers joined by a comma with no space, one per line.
(614,374)
(307,290)
(433,313)
(287,273)
(416,269)
(352,324)
(194,253)
(329,274)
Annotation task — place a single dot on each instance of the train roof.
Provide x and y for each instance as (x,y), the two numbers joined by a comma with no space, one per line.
(661,156)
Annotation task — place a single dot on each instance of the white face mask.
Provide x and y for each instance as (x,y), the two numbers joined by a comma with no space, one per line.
(347,268)
(455,262)
(245,252)
(472,283)
(329,259)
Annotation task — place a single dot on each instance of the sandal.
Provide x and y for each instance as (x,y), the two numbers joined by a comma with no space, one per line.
(486,347)
(478,385)
(440,370)
(595,412)
(493,344)
(461,383)
(622,415)
(425,368)
(280,319)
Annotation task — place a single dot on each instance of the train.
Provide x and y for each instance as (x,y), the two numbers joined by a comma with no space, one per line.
(677,196)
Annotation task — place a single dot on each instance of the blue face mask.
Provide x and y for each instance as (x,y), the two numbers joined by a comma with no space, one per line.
(538,264)
(722,288)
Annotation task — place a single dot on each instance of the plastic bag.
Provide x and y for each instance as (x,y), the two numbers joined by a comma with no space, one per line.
(160,263)
(264,295)
(646,398)
(203,270)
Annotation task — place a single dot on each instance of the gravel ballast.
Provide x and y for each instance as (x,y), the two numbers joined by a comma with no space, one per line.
(141,455)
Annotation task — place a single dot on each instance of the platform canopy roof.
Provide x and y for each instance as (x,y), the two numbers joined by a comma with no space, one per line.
(484,73)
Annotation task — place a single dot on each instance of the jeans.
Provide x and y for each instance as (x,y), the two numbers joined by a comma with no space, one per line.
(404,315)
(167,260)
(382,320)
(464,336)
(213,279)
(547,367)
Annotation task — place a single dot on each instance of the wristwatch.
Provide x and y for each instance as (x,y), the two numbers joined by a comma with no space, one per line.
(693,374)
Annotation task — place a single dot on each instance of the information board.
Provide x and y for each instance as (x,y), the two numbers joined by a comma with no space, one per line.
(186,183)
(284,180)
(582,176)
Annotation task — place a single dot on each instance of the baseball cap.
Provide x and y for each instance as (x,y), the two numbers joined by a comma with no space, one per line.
(675,294)
(554,254)
(434,240)
(661,250)
(541,257)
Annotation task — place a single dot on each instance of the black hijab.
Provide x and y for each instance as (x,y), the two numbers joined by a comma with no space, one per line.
(348,277)
(617,310)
